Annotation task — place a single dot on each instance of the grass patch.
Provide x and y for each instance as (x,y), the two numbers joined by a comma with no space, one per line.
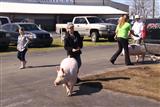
(86,42)
(141,81)
(102,42)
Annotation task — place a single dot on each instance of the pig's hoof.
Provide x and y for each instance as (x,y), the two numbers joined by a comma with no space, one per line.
(69,94)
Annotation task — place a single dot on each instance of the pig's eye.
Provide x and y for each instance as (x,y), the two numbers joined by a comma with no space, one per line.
(63,76)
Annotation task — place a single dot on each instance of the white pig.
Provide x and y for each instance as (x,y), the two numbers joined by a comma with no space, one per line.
(136,50)
(67,74)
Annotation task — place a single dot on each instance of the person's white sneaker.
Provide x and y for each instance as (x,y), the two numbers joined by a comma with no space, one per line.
(21,67)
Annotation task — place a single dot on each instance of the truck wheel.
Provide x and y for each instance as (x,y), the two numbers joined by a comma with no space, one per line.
(94,36)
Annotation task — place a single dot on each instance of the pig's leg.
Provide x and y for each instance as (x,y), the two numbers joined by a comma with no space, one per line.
(71,87)
(68,89)
(143,55)
(137,58)
(66,86)
(153,58)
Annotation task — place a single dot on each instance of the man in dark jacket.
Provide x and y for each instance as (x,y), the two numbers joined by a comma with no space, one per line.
(73,43)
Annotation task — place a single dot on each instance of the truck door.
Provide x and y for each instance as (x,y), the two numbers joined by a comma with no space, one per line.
(81,26)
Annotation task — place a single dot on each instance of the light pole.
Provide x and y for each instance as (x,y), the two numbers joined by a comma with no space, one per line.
(153,8)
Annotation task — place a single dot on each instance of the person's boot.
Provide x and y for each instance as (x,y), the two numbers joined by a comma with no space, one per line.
(112,61)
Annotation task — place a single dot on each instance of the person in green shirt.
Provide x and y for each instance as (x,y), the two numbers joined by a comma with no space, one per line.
(123,31)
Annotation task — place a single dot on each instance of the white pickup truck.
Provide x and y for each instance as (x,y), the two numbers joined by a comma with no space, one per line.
(92,26)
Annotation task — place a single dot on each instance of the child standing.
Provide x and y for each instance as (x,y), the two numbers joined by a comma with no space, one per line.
(22,45)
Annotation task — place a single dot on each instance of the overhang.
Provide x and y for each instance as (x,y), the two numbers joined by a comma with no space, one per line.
(34,8)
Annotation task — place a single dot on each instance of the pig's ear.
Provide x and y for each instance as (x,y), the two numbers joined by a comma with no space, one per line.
(57,68)
(63,70)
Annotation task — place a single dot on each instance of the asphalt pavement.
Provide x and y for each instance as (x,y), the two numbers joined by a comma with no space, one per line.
(33,86)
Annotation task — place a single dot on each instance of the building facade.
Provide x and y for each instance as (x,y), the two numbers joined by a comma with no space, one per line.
(49,20)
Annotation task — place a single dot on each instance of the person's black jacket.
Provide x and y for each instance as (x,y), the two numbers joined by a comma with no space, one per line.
(71,42)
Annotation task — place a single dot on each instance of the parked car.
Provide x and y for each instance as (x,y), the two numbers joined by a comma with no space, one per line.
(4,40)
(152,40)
(39,37)
(115,21)
(112,20)
(152,20)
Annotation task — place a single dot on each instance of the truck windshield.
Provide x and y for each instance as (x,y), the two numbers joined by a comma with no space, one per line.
(95,20)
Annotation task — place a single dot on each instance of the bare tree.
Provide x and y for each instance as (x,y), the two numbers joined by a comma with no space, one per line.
(157,11)
(145,8)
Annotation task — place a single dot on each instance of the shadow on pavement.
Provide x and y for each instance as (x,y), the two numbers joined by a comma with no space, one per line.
(41,66)
(107,79)
(149,62)
(88,88)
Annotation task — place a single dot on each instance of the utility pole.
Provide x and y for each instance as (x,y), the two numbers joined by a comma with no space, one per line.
(153,8)
(74,2)
(103,2)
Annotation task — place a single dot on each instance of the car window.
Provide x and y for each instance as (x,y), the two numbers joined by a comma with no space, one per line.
(83,21)
(29,27)
(80,21)
(154,35)
(95,20)
(147,21)
(4,20)
(113,21)
(153,30)
(76,21)
(14,28)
